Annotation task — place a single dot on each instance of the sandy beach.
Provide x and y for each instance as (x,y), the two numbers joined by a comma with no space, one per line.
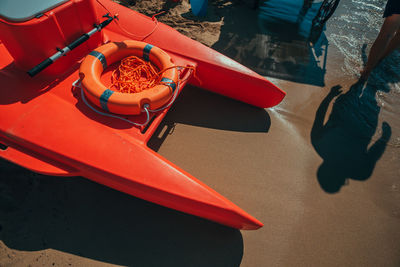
(321,170)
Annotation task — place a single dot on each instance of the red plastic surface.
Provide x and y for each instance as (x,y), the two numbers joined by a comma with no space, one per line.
(33,41)
(49,129)
(215,72)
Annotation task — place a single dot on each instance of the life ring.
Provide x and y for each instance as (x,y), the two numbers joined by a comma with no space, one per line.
(124,103)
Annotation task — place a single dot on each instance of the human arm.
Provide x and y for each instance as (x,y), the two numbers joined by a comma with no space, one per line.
(318,125)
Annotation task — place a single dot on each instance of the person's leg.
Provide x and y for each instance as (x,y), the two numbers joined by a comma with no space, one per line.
(394,43)
(387,37)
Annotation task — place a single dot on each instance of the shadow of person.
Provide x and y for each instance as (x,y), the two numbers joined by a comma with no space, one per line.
(343,142)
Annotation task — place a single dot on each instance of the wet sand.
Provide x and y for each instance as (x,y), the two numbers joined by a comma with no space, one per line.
(320,170)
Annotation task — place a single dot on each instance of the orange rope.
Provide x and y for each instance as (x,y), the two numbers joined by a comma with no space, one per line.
(135,75)
(135,36)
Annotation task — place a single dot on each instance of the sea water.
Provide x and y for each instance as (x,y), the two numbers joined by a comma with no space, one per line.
(349,35)
(352,30)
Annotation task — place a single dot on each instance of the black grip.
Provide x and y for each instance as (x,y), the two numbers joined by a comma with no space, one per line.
(105,23)
(78,41)
(39,67)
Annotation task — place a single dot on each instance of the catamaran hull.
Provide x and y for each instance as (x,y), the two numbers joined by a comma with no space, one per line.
(46,127)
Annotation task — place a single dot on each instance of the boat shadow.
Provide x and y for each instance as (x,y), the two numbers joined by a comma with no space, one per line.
(202,108)
(77,216)
(199,107)
(273,40)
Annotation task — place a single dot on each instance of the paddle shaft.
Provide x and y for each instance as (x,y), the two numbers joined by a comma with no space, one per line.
(61,52)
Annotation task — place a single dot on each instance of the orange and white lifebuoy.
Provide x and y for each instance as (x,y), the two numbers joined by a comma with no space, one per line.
(126,103)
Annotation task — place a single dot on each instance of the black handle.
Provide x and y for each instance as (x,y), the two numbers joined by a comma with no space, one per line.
(41,66)
(106,22)
(78,41)
(47,62)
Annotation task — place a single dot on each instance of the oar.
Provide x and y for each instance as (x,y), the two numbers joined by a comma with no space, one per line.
(48,61)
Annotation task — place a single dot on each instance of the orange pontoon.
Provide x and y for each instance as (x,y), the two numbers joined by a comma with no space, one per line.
(46,126)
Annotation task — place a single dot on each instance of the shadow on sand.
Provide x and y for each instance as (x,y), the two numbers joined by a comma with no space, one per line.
(344,141)
(198,107)
(76,216)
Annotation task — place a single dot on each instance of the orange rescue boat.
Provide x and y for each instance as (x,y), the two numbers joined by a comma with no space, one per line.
(45,125)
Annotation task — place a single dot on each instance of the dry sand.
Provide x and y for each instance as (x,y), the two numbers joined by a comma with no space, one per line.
(282,165)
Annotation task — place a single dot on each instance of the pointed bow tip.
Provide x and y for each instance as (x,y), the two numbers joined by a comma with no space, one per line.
(247,222)
(254,224)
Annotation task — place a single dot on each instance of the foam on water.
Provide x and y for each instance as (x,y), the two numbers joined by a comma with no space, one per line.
(355,24)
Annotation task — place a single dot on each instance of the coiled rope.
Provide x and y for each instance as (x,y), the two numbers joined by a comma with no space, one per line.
(132,76)
(135,75)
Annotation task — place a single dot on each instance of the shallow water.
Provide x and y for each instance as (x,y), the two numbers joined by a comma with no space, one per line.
(355,24)
(343,47)
(352,30)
